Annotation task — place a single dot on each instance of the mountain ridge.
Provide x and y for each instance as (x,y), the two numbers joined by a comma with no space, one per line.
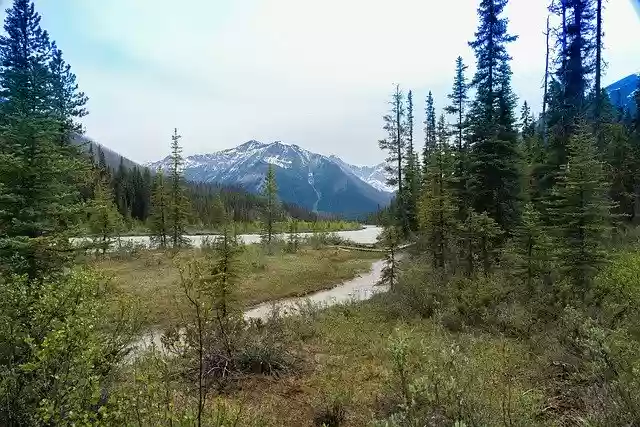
(324,184)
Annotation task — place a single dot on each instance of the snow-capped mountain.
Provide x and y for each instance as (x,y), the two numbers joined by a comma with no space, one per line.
(622,92)
(311,180)
(372,175)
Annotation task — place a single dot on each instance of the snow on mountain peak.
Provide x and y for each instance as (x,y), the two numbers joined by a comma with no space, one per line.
(224,164)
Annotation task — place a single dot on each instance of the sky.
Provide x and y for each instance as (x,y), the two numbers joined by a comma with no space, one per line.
(315,73)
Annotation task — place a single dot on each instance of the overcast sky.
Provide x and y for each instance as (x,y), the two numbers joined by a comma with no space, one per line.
(314,73)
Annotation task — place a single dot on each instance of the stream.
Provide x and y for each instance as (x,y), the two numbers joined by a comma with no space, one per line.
(366,235)
(360,288)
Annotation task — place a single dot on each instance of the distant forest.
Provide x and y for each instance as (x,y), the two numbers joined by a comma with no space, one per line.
(132,189)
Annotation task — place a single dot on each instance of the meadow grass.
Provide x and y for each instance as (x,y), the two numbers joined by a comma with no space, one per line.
(151,278)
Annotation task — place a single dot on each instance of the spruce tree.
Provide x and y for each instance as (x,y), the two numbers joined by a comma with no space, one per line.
(430,138)
(484,234)
(459,98)
(574,67)
(293,236)
(270,193)
(495,162)
(159,218)
(411,169)
(178,203)
(395,145)
(437,204)
(68,102)
(390,239)
(40,178)
(104,219)
(532,248)
(582,212)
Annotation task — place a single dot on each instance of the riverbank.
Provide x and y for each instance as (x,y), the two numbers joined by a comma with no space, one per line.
(150,279)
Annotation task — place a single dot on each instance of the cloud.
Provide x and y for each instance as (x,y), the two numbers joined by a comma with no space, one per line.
(315,73)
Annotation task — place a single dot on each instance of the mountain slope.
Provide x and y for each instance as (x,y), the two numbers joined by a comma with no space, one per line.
(310,180)
(372,175)
(622,92)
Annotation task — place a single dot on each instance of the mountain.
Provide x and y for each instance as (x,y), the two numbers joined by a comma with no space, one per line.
(316,182)
(111,157)
(372,175)
(622,92)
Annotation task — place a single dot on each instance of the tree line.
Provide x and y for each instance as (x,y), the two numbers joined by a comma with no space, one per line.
(132,187)
(490,176)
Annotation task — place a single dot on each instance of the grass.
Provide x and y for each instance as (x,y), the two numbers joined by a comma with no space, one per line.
(151,278)
(347,355)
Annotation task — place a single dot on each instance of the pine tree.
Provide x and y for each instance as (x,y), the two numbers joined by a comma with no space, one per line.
(25,52)
(39,177)
(178,203)
(484,235)
(532,248)
(270,193)
(390,239)
(104,219)
(575,46)
(217,213)
(459,97)
(430,138)
(527,122)
(411,169)
(437,204)
(395,145)
(159,218)
(495,162)
(582,211)
(68,102)
(293,236)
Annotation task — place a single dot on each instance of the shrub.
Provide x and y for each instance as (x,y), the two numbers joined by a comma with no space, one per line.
(331,411)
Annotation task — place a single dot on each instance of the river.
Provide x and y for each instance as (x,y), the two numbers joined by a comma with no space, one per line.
(359,288)
(366,235)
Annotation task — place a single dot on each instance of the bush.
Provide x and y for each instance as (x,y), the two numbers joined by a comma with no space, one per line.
(331,411)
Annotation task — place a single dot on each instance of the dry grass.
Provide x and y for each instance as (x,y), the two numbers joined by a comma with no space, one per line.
(151,279)
(348,356)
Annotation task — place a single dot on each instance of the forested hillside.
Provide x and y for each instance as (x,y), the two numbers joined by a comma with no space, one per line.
(504,289)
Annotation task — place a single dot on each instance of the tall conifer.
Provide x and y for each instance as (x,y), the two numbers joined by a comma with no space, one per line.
(495,164)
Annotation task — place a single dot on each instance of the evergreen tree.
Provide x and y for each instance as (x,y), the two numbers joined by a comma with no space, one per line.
(484,235)
(437,204)
(159,218)
(40,178)
(532,248)
(495,163)
(622,169)
(527,122)
(270,193)
(411,169)
(430,138)
(217,212)
(25,52)
(178,203)
(390,239)
(574,66)
(582,211)
(293,236)
(121,184)
(68,102)
(104,219)
(395,145)
(459,97)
